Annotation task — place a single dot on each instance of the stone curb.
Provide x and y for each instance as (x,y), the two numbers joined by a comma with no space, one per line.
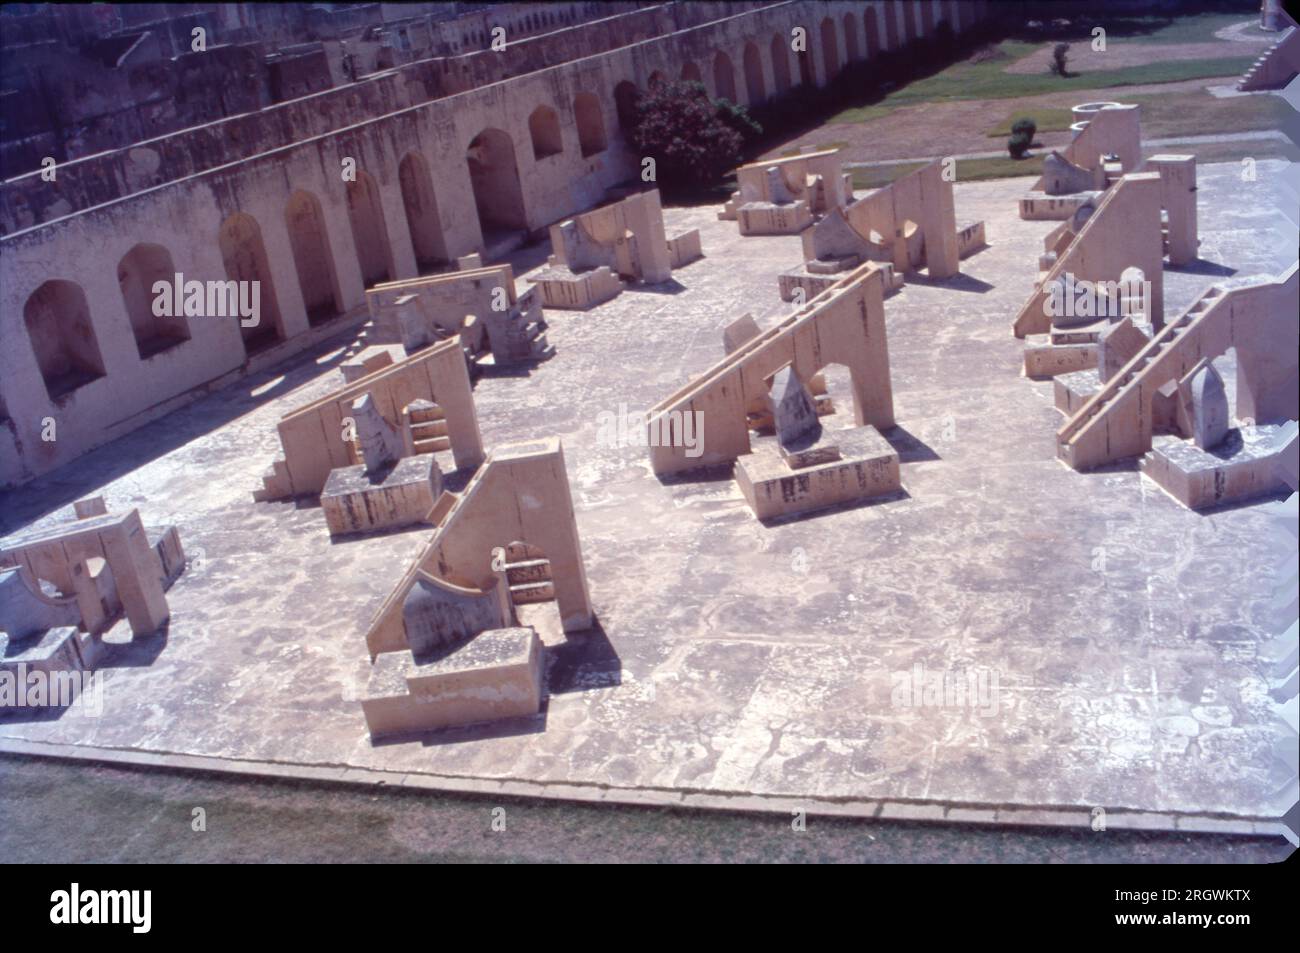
(883,810)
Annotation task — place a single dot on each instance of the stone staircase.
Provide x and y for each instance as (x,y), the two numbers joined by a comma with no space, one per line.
(528,575)
(428,424)
(1276,67)
(275,482)
(1084,442)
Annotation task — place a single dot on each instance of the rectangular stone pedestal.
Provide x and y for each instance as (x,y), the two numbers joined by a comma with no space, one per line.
(354,503)
(1243,466)
(1045,359)
(764,218)
(867,467)
(1075,389)
(970,238)
(576,291)
(814,283)
(496,674)
(1039,206)
(685,248)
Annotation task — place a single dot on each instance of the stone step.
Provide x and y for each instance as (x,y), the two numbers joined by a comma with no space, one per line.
(529,571)
(423,412)
(532,592)
(429,428)
(432,445)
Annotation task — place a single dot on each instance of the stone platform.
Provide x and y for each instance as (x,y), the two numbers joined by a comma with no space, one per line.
(737,664)
(863,465)
(496,674)
(1244,466)
(354,502)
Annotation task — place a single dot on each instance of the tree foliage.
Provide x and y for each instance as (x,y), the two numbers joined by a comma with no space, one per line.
(694,140)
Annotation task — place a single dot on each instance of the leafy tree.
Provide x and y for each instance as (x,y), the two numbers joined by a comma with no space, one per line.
(1027,126)
(1018,144)
(1060,54)
(694,141)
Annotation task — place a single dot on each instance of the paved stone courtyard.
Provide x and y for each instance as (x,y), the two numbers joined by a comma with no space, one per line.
(1113,632)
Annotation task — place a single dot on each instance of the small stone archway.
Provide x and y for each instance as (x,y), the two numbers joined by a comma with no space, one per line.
(754,85)
(244,255)
(590,121)
(909,27)
(780,64)
(872,30)
(369,230)
(62,336)
(137,273)
(724,76)
(626,97)
(313,261)
(421,206)
(830,49)
(891,27)
(494,177)
(691,74)
(544,130)
(851,46)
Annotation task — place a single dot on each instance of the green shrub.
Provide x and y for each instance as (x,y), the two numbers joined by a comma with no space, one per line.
(690,137)
(1027,126)
(1059,57)
(1018,144)
(739,119)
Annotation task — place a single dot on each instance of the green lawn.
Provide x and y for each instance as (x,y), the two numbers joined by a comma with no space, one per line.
(977,170)
(1190,113)
(968,170)
(1196,112)
(861,114)
(1047,119)
(989,79)
(798,149)
(1197,28)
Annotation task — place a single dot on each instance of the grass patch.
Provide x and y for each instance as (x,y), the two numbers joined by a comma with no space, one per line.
(1207,152)
(1196,28)
(980,170)
(988,79)
(1046,118)
(1191,113)
(1123,30)
(968,170)
(1198,113)
(860,114)
(878,176)
(798,150)
(1003,167)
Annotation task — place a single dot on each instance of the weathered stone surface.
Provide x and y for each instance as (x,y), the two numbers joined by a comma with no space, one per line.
(26,610)
(989,533)
(356,500)
(735,334)
(378,443)
(437,613)
(1063,177)
(497,674)
(1118,344)
(793,413)
(1209,407)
